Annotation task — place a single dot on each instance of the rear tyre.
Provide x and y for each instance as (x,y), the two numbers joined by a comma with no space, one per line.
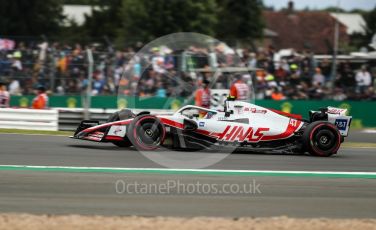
(146,132)
(321,138)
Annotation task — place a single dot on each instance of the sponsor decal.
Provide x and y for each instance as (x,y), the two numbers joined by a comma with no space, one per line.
(117,130)
(254,110)
(341,124)
(96,136)
(201,124)
(335,111)
(239,133)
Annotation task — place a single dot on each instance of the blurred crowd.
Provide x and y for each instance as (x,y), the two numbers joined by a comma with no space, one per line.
(303,77)
(63,70)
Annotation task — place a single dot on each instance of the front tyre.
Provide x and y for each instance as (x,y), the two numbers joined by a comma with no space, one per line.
(321,138)
(146,132)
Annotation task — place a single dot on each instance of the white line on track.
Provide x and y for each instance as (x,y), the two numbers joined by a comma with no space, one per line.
(369,131)
(189,170)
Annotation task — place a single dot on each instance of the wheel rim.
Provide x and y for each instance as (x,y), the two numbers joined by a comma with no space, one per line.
(148,133)
(324,139)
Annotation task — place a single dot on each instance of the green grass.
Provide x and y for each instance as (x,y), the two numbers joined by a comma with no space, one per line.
(358,144)
(20,131)
(362,128)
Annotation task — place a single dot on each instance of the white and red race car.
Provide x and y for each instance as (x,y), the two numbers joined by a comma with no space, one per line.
(241,126)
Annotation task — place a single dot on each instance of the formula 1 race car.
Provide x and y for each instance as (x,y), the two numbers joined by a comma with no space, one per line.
(241,126)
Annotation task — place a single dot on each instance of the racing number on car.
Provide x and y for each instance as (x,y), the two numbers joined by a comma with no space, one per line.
(293,122)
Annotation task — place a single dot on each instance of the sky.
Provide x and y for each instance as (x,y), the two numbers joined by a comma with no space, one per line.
(320,4)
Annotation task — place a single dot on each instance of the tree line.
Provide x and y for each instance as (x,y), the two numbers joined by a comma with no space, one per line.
(134,20)
(130,21)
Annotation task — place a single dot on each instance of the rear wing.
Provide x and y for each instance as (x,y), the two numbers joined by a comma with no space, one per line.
(336,116)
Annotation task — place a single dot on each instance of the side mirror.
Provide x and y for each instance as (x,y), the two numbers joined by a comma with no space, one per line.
(189,125)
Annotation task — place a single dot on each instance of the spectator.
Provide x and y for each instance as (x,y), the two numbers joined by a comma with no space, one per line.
(318,78)
(239,89)
(16,63)
(339,95)
(281,73)
(325,68)
(294,74)
(252,62)
(14,87)
(277,95)
(347,77)
(161,92)
(363,80)
(157,61)
(158,73)
(60,90)
(98,84)
(202,95)
(270,80)
(370,94)
(306,76)
(4,96)
(41,100)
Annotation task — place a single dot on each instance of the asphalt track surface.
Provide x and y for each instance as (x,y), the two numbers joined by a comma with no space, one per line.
(99,193)
(362,136)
